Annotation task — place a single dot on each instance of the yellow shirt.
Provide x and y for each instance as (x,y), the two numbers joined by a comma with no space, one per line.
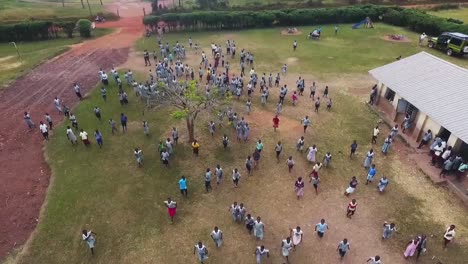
(195,145)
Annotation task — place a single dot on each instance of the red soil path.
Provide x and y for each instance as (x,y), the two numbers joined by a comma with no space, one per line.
(25,175)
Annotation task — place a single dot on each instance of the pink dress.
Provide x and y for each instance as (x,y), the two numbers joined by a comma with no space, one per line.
(411,248)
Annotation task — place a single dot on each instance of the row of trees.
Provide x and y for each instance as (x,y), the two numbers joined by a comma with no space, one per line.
(214,20)
(42,30)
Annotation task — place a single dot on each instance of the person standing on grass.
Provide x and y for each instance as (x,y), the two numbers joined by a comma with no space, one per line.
(375,134)
(290,162)
(195,147)
(145,128)
(286,247)
(371,174)
(248,106)
(71,135)
(28,120)
(296,235)
(168,146)
(321,228)
(294,45)
(313,88)
(422,247)
(236,177)
(311,153)
(306,122)
(74,121)
(241,215)
(248,165)
(212,127)
(165,156)
(260,253)
(278,149)
(146,56)
(171,208)
(217,236)
(315,170)
(183,186)
(201,251)
(369,159)
(84,138)
(89,238)
(383,182)
(48,118)
(394,131)
(279,107)
(343,247)
(234,210)
(44,130)
(113,126)
(219,174)
(374,260)
(300,144)
(259,228)
(77,89)
(175,135)
(249,223)
(411,248)
(388,230)
(449,235)
(104,93)
(426,139)
(352,186)
(97,113)
(336,30)
(246,132)
(275,122)
(327,159)
(104,79)
(351,208)
(315,180)
(325,92)
(58,105)
(284,69)
(354,146)
(317,104)
(386,145)
(225,141)
(294,98)
(299,188)
(329,104)
(138,156)
(123,122)
(208,176)
(98,137)
(66,111)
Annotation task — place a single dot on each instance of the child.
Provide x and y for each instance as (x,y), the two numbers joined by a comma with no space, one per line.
(290,162)
(294,98)
(327,159)
(300,144)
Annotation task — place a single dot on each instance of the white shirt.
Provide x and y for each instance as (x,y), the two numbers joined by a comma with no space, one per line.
(43,128)
(171,204)
(373,261)
(83,135)
(376,132)
(297,233)
(216,235)
(449,232)
(262,252)
(446,154)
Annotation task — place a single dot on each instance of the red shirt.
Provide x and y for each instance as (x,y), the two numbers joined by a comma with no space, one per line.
(352,206)
(276,121)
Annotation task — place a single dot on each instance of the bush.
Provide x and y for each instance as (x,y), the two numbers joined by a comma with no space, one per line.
(67,27)
(84,27)
(415,20)
(33,30)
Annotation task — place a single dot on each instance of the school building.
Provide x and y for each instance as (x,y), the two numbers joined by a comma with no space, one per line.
(434,92)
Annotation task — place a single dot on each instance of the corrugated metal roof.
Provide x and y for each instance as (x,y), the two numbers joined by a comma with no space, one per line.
(436,87)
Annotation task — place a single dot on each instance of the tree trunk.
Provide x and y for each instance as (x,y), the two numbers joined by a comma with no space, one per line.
(82,4)
(101,2)
(190,128)
(63,3)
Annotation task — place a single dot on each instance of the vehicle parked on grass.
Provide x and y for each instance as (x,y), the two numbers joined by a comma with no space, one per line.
(452,43)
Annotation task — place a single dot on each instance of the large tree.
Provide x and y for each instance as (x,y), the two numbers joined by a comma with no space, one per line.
(188,101)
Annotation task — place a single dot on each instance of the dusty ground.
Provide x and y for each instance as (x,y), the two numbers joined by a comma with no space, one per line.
(389,38)
(25,175)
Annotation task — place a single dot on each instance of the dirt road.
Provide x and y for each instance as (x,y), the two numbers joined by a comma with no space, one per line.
(25,174)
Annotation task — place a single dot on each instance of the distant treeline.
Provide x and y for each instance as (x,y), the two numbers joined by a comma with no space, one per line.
(414,19)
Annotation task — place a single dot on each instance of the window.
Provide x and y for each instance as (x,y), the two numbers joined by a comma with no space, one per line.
(390,95)
(456,41)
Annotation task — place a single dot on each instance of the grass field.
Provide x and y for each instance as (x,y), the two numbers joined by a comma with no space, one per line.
(461,14)
(104,190)
(33,54)
(18,10)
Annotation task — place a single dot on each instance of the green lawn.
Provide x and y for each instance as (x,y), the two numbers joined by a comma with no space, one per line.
(461,14)
(103,189)
(33,54)
(330,56)
(18,10)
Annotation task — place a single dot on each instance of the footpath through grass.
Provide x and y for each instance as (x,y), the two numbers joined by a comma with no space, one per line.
(33,54)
